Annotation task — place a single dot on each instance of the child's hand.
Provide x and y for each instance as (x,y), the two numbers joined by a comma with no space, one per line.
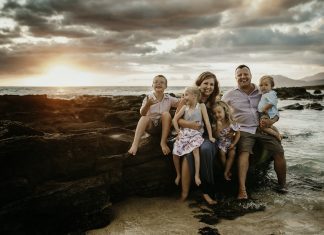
(230,134)
(178,135)
(231,146)
(151,100)
(182,102)
(196,125)
(212,139)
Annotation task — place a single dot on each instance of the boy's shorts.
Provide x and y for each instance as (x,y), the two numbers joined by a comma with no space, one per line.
(155,128)
(247,142)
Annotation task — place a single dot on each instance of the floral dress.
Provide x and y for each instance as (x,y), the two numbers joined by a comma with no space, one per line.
(224,141)
(189,139)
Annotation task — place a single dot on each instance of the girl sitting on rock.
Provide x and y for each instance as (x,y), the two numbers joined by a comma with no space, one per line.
(228,134)
(189,140)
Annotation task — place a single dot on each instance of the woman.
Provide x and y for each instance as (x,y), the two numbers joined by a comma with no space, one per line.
(208,86)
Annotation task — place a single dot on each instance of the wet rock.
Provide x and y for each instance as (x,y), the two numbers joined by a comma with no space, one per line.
(296,106)
(64,162)
(11,129)
(58,183)
(317,91)
(295,93)
(315,106)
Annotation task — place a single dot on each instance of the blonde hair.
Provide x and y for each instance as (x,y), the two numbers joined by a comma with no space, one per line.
(267,77)
(227,110)
(195,91)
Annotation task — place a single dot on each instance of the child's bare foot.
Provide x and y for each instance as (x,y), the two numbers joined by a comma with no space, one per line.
(242,194)
(209,200)
(133,150)
(227,175)
(165,148)
(197,180)
(177,180)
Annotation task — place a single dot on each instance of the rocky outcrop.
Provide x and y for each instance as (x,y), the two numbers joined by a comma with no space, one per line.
(64,162)
(297,106)
(295,93)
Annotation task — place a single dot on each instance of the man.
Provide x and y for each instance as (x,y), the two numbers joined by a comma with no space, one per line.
(244,100)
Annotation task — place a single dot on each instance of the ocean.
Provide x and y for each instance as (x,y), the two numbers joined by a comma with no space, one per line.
(301,211)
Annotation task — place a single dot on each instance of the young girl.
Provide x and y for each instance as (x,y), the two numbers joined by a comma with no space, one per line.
(189,140)
(155,115)
(228,133)
(268,106)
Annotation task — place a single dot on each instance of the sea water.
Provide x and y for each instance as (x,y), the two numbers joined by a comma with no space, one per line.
(301,211)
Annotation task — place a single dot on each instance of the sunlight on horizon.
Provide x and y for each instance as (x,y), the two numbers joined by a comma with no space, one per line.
(62,75)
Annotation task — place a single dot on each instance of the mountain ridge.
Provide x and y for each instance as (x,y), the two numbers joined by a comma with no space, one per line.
(314,80)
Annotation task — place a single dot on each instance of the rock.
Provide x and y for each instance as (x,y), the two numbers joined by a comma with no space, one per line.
(296,106)
(295,93)
(317,91)
(315,106)
(63,162)
(67,182)
(11,128)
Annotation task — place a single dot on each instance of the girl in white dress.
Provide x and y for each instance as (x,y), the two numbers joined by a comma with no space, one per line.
(189,140)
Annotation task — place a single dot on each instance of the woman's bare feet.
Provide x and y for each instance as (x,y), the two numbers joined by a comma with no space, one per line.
(165,148)
(177,180)
(197,180)
(242,194)
(183,197)
(133,150)
(227,175)
(209,200)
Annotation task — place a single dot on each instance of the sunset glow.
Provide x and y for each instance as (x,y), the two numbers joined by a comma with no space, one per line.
(61,75)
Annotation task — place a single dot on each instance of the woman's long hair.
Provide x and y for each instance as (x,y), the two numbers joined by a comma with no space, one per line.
(206,75)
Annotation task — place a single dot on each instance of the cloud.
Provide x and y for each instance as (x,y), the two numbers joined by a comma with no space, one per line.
(135,37)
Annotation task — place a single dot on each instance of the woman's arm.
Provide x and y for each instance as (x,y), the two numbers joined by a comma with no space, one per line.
(207,123)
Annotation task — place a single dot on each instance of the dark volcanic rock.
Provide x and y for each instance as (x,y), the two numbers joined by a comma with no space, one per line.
(11,128)
(315,106)
(296,106)
(317,91)
(295,93)
(63,162)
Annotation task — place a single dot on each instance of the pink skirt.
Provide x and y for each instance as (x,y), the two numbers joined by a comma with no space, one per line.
(188,141)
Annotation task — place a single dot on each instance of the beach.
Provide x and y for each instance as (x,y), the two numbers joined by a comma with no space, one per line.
(86,139)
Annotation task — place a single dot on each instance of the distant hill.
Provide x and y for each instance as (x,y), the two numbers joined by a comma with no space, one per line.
(315,80)
(282,81)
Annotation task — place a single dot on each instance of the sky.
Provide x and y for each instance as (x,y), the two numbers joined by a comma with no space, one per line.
(128,42)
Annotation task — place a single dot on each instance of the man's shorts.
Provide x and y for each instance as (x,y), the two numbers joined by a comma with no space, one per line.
(248,140)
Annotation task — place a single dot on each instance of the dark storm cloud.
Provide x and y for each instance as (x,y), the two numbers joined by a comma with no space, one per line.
(127,32)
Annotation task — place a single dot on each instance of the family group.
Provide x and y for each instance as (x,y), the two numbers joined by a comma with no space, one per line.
(210,128)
